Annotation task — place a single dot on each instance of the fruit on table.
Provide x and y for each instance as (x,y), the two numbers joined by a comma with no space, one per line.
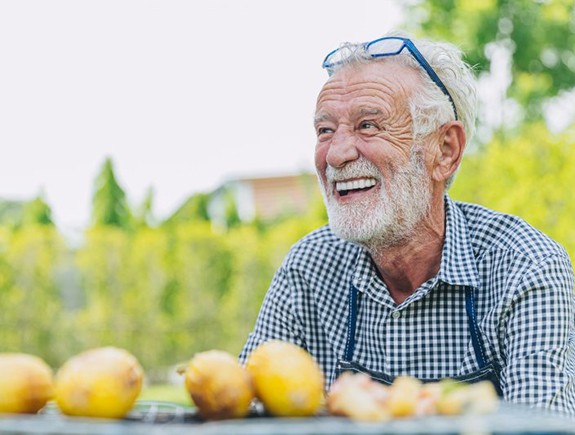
(102,382)
(218,385)
(287,380)
(429,395)
(358,397)
(403,396)
(26,383)
(457,398)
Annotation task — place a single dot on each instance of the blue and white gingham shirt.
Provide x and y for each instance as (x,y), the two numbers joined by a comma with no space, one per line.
(524,300)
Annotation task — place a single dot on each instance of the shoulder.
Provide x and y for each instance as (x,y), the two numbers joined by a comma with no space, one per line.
(490,230)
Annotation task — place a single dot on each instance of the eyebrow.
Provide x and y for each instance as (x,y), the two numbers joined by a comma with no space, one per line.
(321,117)
(364,111)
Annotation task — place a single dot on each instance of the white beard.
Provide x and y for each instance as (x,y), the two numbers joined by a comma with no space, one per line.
(386,219)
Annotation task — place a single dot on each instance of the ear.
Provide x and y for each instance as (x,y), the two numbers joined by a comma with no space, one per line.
(450,150)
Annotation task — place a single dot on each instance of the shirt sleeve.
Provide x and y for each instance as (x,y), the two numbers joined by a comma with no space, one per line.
(539,338)
(276,318)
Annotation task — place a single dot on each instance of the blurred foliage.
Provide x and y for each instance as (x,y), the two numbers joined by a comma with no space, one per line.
(109,205)
(193,209)
(540,36)
(15,214)
(11,212)
(31,302)
(144,215)
(174,393)
(164,293)
(528,174)
(38,212)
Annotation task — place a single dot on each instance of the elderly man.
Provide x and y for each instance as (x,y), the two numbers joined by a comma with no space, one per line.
(404,280)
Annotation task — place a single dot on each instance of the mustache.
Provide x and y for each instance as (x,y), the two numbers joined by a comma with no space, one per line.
(356,169)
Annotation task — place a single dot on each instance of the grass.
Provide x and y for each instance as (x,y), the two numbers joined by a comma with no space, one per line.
(166,393)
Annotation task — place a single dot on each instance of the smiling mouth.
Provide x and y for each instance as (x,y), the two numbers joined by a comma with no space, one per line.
(358,185)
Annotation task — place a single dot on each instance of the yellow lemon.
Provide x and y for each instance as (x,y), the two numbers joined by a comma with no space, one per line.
(26,383)
(218,385)
(286,378)
(103,382)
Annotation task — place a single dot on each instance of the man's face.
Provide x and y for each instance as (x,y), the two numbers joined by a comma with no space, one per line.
(374,178)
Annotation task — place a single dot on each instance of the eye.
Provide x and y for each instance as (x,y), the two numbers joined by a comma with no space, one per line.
(365,125)
(323,131)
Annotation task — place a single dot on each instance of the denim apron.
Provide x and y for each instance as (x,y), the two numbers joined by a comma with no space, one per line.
(486,372)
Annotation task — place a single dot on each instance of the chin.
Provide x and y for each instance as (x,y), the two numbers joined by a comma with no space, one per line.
(367,236)
(374,223)
(357,223)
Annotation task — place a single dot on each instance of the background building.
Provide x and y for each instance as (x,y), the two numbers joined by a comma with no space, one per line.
(265,198)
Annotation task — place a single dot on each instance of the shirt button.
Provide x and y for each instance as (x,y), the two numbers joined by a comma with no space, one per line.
(396,314)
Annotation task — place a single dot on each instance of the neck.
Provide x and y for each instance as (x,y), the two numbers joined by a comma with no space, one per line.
(405,266)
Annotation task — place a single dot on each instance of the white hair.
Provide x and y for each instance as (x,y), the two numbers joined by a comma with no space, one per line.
(430,107)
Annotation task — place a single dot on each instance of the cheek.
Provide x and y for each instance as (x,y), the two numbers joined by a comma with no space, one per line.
(320,158)
(320,162)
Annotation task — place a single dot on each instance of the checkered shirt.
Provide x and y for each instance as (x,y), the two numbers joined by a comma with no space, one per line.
(524,300)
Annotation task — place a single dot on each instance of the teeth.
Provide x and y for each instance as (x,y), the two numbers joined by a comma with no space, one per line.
(361,183)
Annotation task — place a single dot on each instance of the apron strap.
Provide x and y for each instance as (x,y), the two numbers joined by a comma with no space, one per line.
(351,321)
(473,328)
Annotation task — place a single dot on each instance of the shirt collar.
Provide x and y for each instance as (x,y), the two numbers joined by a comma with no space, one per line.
(458,264)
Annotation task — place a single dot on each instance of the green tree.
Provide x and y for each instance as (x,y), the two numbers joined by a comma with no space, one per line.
(530,174)
(38,212)
(195,208)
(109,204)
(538,36)
(145,214)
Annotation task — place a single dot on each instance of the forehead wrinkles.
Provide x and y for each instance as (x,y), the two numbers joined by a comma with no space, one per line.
(381,94)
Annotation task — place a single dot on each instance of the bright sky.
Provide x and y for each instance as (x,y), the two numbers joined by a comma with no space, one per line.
(181,94)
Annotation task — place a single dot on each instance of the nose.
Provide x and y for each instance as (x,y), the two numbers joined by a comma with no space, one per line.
(342,149)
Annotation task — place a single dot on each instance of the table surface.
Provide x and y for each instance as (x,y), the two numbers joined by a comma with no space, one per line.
(162,418)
